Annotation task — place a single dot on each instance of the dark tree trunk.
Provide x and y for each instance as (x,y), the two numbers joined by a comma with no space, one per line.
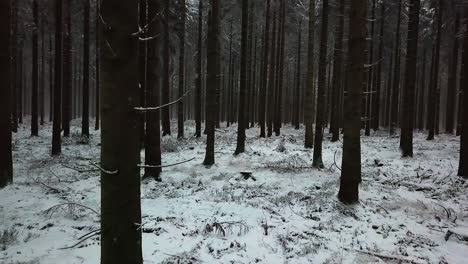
(337,73)
(42,83)
(463,167)
(98,76)
(120,148)
(51,81)
(407,116)
(396,76)
(309,106)
(422,93)
(85,117)
(434,94)
(460,94)
(297,91)
(370,78)
(263,88)
(6,162)
(166,117)
(271,83)
(351,164)
(452,80)
(180,104)
(213,71)
(378,75)
(14,64)
(67,71)
(56,133)
(279,96)
(153,122)
(244,80)
(198,92)
(35,72)
(321,99)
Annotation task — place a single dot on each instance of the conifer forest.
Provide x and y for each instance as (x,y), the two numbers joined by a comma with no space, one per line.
(233,131)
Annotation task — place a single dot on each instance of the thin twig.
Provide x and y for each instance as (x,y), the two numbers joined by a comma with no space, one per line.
(164,166)
(150,109)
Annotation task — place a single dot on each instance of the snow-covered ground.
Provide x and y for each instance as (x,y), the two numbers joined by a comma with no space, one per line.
(286,212)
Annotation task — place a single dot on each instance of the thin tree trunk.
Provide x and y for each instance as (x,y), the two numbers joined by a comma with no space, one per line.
(407,116)
(98,74)
(67,70)
(264,85)
(309,106)
(396,76)
(463,167)
(452,80)
(297,91)
(198,94)
(271,84)
(180,104)
(422,92)
(56,140)
(166,117)
(35,72)
(317,159)
(85,117)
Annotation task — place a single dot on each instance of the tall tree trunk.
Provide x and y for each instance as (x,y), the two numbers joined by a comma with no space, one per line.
(317,159)
(263,88)
(153,125)
(166,117)
(433,97)
(42,83)
(309,106)
(67,70)
(35,72)
(85,117)
(244,80)
(407,117)
(97,61)
(51,81)
(120,149)
(271,83)
(460,93)
(297,91)
(351,163)
(6,162)
(282,34)
(378,78)
(213,71)
(396,76)
(337,73)
(452,80)
(422,92)
(14,64)
(370,80)
(198,92)
(463,167)
(56,127)
(180,104)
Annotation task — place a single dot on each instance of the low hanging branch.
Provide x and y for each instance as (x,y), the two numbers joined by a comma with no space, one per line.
(151,109)
(164,166)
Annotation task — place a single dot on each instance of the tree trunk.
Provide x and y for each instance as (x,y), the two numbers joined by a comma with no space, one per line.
(98,54)
(180,104)
(378,75)
(370,71)
(407,116)
(321,99)
(309,106)
(452,80)
(337,73)
(85,117)
(263,88)
(6,162)
(244,80)
(56,140)
(120,149)
(434,98)
(67,70)
(422,93)
(396,76)
(198,92)
(271,83)
(463,168)
(279,96)
(166,117)
(351,163)
(35,72)
(42,83)
(153,122)
(297,91)
(213,71)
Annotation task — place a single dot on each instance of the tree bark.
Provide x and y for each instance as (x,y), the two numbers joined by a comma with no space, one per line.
(166,117)
(452,80)
(309,106)
(85,117)
(180,104)
(407,115)
(67,71)
(463,167)
(6,162)
(321,99)
(263,88)
(56,127)
(396,76)
(198,92)
(351,163)
(120,150)
(35,72)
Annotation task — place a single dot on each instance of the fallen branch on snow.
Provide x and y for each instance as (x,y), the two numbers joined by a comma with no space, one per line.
(400,259)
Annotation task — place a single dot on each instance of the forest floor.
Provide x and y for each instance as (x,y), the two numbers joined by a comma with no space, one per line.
(286,212)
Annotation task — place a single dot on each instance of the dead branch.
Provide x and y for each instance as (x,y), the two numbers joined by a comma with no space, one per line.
(52,209)
(400,259)
(151,109)
(164,166)
(79,170)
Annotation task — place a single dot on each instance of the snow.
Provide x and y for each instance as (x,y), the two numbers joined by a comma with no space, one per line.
(286,213)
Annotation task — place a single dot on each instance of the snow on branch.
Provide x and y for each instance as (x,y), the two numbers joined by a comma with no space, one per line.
(151,109)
